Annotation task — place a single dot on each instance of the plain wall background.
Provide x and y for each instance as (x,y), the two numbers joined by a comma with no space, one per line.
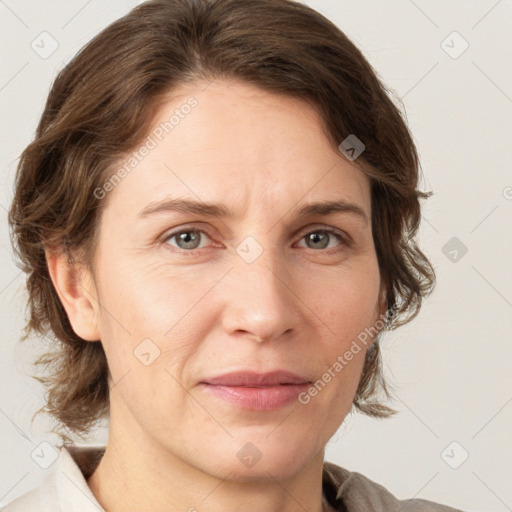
(451,365)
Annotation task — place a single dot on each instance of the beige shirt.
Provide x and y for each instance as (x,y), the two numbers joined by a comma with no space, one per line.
(65,489)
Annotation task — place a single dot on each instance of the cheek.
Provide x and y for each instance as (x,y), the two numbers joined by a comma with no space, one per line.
(349,312)
(348,301)
(147,339)
(146,316)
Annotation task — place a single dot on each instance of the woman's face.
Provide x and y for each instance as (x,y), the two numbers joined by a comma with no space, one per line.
(185,297)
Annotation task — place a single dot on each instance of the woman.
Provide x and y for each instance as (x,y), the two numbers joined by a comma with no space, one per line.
(217,219)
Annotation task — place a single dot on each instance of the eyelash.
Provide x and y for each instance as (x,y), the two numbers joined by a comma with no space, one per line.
(345,241)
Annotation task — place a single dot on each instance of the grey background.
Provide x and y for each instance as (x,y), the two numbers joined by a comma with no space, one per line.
(451,365)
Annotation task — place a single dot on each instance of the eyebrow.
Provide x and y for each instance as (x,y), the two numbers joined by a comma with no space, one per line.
(219,210)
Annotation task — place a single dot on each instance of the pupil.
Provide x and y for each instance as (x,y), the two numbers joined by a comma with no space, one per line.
(188,238)
(318,237)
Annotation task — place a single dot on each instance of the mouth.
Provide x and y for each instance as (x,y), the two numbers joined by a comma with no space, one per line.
(257,391)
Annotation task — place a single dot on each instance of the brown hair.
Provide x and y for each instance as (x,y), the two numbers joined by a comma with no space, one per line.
(101,106)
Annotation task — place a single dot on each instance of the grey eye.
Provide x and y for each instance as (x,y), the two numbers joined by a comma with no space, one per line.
(320,239)
(187,239)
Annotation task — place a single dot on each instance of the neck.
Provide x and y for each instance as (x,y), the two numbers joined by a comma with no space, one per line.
(129,477)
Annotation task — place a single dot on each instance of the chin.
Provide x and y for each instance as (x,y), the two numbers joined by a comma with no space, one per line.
(262,460)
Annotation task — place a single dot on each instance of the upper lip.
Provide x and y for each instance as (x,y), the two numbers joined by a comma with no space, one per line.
(253,378)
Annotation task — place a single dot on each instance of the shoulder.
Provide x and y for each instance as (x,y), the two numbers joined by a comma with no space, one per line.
(41,499)
(353,492)
(64,487)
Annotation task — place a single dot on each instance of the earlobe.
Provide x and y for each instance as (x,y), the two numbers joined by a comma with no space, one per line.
(76,291)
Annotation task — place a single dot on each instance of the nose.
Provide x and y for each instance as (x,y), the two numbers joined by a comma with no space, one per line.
(259,301)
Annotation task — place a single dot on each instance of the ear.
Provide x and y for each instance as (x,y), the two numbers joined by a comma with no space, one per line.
(75,287)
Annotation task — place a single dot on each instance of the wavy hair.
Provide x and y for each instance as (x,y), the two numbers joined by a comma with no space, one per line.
(101,105)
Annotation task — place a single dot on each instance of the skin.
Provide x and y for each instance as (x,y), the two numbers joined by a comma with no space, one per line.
(172,445)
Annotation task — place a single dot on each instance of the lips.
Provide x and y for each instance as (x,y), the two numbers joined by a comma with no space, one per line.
(255,379)
(256,391)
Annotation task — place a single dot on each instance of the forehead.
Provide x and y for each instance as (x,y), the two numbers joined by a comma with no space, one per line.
(233,143)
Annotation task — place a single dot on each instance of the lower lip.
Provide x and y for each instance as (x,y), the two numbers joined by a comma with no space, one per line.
(258,399)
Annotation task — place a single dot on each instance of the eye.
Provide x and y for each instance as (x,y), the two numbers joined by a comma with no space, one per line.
(190,240)
(187,239)
(321,239)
